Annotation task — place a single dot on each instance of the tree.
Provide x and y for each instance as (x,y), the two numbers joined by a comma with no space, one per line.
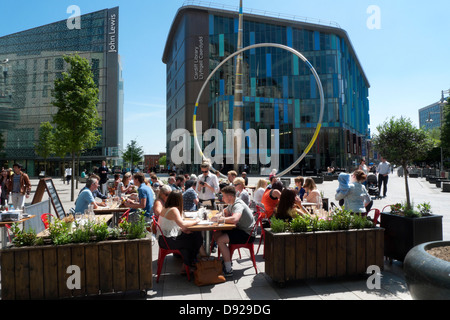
(133,153)
(77,118)
(400,143)
(45,146)
(445,131)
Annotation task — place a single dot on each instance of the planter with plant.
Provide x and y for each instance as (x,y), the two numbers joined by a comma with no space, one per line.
(406,227)
(311,247)
(86,259)
(400,142)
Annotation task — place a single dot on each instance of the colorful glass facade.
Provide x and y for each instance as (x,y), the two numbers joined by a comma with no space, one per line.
(279,90)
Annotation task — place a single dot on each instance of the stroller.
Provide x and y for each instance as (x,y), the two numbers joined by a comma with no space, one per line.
(372,186)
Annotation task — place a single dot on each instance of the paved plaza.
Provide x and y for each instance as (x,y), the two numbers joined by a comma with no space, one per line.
(246,285)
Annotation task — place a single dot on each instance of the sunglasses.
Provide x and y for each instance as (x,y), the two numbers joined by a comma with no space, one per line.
(204,171)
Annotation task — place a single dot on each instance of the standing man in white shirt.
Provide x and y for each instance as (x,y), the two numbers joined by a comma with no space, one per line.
(207,186)
(383,169)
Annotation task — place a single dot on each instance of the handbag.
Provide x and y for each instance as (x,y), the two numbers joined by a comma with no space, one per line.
(208,272)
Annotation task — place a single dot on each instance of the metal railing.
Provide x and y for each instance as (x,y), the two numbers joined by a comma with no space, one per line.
(265,13)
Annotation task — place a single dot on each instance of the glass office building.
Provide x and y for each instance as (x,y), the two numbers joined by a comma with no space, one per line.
(31,60)
(279,90)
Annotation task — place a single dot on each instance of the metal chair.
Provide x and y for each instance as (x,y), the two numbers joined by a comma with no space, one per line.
(248,245)
(164,252)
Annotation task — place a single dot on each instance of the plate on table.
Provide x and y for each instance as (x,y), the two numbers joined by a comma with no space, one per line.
(205,222)
(190,214)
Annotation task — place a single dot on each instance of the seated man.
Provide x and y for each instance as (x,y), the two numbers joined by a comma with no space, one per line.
(85,198)
(96,193)
(190,197)
(145,196)
(237,213)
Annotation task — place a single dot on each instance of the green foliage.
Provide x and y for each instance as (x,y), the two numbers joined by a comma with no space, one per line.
(82,233)
(133,153)
(445,133)
(60,232)
(46,144)
(340,220)
(100,231)
(403,210)
(77,120)
(278,225)
(401,142)
(424,208)
(22,238)
(135,229)
(76,97)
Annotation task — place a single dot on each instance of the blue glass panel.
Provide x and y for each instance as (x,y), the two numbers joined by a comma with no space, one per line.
(295,65)
(268,65)
(257,112)
(252,41)
(312,82)
(289,36)
(286,113)
(253,87)
(222,87)
(297,113)
(221,44)
(285,87)
(316,40)
(211,24)
(276,116)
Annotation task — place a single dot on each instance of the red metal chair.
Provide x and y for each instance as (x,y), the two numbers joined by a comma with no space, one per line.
(376,215)
(164,252)
(260,211)
(248,245)
(124,216)
(45,219)
(8,227)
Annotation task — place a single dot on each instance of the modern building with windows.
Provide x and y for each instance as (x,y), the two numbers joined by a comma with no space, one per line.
(430,117)
(31,60)
(279,90)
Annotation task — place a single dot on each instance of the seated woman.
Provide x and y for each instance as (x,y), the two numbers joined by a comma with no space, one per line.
(160,201)
(312,193)
(175,230)
(271,197)
(356,198)
(289,206)
(259,191)
(125,186)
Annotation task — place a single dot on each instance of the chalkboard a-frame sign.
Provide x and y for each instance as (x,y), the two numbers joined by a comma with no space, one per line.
(47,184)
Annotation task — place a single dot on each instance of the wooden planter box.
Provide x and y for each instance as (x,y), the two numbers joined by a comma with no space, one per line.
(403,233)
(324,254)
(105,267)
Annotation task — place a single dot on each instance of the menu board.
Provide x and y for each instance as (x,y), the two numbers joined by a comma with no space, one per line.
(46,184)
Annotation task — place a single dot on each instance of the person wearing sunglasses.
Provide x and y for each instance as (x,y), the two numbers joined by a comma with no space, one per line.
(207,187)
(241,193)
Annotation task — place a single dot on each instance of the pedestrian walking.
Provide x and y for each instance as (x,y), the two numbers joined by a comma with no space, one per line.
(383,170)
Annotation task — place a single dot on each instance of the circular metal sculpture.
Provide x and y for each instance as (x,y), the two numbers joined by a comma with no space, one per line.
(313,71)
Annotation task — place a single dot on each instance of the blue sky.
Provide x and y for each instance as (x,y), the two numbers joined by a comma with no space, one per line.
(406,60)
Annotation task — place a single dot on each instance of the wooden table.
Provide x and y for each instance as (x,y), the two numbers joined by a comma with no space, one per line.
(115,210)
(3,224)
(208,228)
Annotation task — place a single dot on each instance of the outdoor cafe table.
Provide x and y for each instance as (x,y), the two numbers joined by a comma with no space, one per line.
(207,226)
(114,209)
(4,232)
